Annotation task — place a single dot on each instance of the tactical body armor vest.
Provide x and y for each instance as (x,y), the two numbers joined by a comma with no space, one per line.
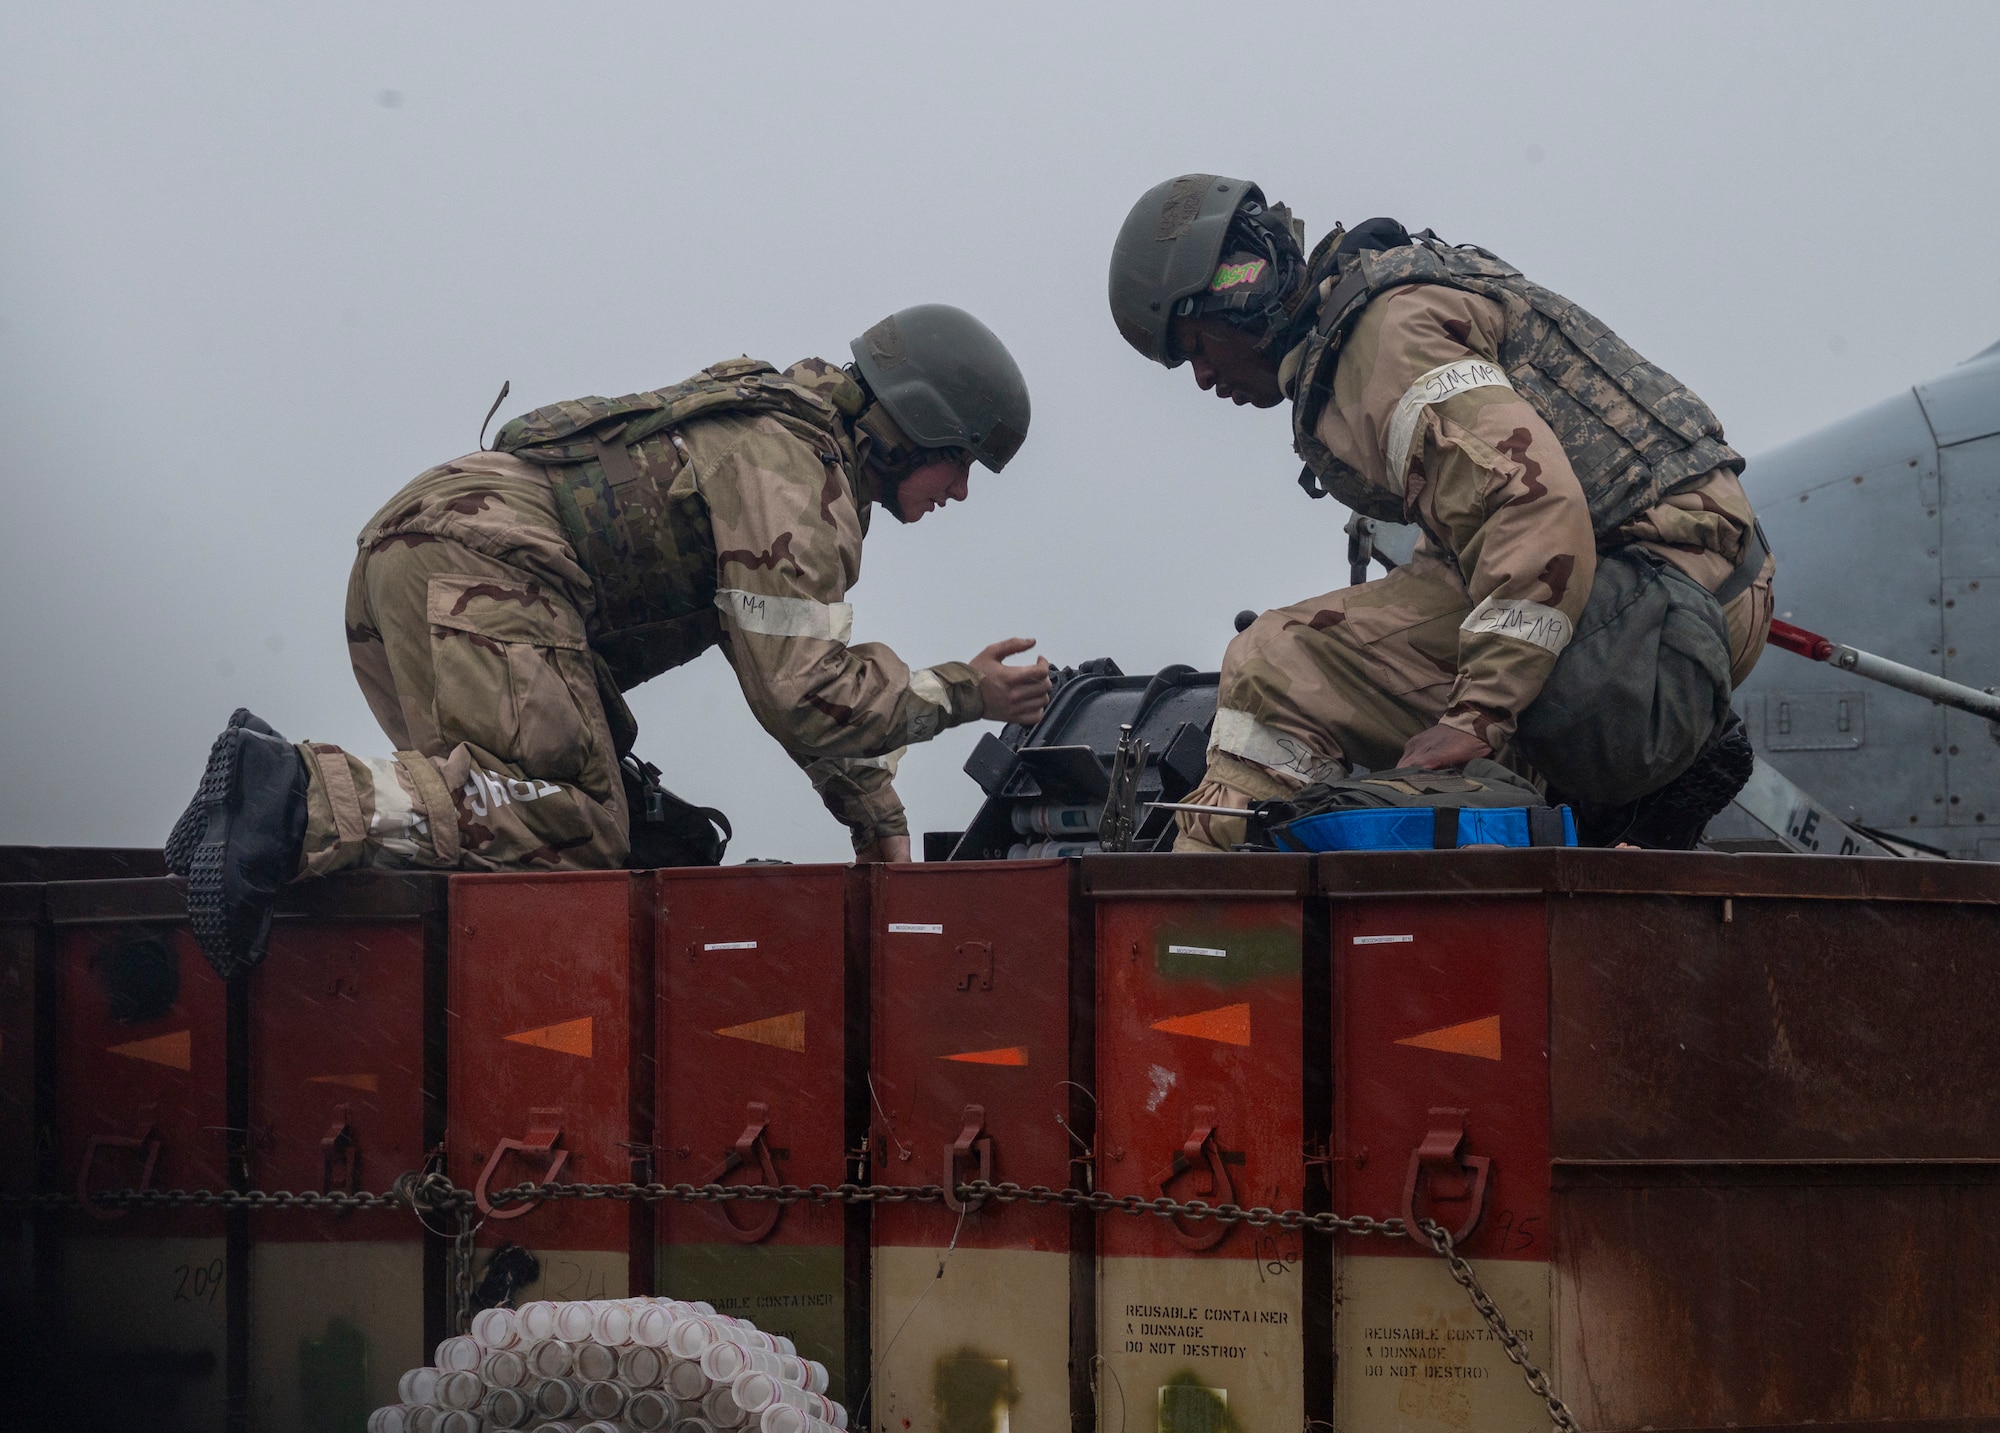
(1633,433)
(642,533)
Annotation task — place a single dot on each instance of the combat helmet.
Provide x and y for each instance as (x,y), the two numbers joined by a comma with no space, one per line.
(947,381)
(1168,257)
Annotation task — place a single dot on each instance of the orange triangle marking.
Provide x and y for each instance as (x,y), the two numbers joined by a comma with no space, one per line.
(570,1037)
(1011,1055)
(175,1050)
(1228,1024)
(1475,1037)
(353,1082)
(783,1032)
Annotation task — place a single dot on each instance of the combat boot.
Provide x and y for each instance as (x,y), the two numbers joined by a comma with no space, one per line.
(244,844)
(186,834)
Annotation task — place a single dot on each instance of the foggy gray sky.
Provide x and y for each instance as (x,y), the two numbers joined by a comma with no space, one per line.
(259,267)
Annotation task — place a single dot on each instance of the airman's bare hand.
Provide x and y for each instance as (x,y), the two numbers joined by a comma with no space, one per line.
(1012,694)
(886,848)
(1440,747)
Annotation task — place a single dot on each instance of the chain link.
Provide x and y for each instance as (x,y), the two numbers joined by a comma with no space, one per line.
(433,1192)
(1515,1346)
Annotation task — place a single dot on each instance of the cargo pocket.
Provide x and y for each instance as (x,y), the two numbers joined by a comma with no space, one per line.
(514,675)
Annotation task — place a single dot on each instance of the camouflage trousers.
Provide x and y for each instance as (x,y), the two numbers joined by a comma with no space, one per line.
(481,677)
(1312,690)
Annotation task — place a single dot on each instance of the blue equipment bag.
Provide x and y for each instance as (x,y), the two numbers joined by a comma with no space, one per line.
(1430,828)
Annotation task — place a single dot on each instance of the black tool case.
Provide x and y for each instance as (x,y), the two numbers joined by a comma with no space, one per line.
(1062,765)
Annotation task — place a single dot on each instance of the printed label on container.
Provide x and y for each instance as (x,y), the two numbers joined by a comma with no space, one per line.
(914,928)
(1383,939)
(730,945)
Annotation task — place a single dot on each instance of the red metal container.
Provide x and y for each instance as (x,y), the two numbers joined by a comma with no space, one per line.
(1211,1085)
(1741,1124)
(982,999)
(143,1036)
(1441,1111)
(346,1083)
(763,1012)
(26,1119)
(550,1042)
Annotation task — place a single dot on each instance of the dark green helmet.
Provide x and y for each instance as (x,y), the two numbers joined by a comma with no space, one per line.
(1171,246)
(947,381)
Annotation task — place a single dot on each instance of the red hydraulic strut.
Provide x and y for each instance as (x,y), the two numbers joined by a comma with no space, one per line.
(1881,669)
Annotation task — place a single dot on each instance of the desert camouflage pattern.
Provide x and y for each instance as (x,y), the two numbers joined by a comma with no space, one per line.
(466,630)
(1466,633)
(1633,432)
(787,523)
(615,464)
(499,607)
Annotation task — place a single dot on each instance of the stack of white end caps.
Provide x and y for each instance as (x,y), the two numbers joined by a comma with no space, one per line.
(613,1366)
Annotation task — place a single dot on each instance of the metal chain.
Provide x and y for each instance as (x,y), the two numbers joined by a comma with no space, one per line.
(462,1256)
(337,1201)
(434,1193)
(1515,1346)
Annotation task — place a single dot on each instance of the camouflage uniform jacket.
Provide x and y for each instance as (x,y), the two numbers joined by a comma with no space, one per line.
(1417,421)
(739,524)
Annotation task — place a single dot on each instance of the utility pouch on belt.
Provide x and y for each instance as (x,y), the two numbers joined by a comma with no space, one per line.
(1640,689)
(667,830)
(1408,809)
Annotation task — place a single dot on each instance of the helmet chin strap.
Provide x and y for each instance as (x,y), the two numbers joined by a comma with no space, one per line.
(887,455)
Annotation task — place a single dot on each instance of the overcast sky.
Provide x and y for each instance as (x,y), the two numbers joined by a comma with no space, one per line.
(260,265)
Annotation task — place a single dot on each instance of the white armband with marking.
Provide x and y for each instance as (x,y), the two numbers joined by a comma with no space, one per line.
(927,687)
(786,616)
(1241,734)
(1446,381)
(1521,619)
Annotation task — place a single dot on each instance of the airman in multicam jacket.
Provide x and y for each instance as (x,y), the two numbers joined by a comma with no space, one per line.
(1430,385)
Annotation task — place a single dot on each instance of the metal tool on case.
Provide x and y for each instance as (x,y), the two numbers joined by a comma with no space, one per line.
(1260,819)
(1121,803)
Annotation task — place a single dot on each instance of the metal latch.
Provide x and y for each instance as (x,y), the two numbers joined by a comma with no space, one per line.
(751,1149)
(1200,1151)
(544,1133)
(339,1143)
(147,1141)
(1450,1176)
(975,964)
(973,1143)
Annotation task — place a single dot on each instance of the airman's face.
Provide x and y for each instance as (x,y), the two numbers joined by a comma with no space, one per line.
(931,486)
(1226,362)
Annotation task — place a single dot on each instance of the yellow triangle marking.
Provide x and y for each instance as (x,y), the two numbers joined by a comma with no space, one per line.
(175,1051)
(1226,1024)
(783,1032)
(1010,1055)
(353,1082)
(569,1037)
(1480,1038)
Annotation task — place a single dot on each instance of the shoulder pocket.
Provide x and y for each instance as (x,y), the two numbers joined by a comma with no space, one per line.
(506,611)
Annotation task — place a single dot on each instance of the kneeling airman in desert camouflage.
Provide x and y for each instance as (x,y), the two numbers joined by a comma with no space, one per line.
(1430,384)
(502,602)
